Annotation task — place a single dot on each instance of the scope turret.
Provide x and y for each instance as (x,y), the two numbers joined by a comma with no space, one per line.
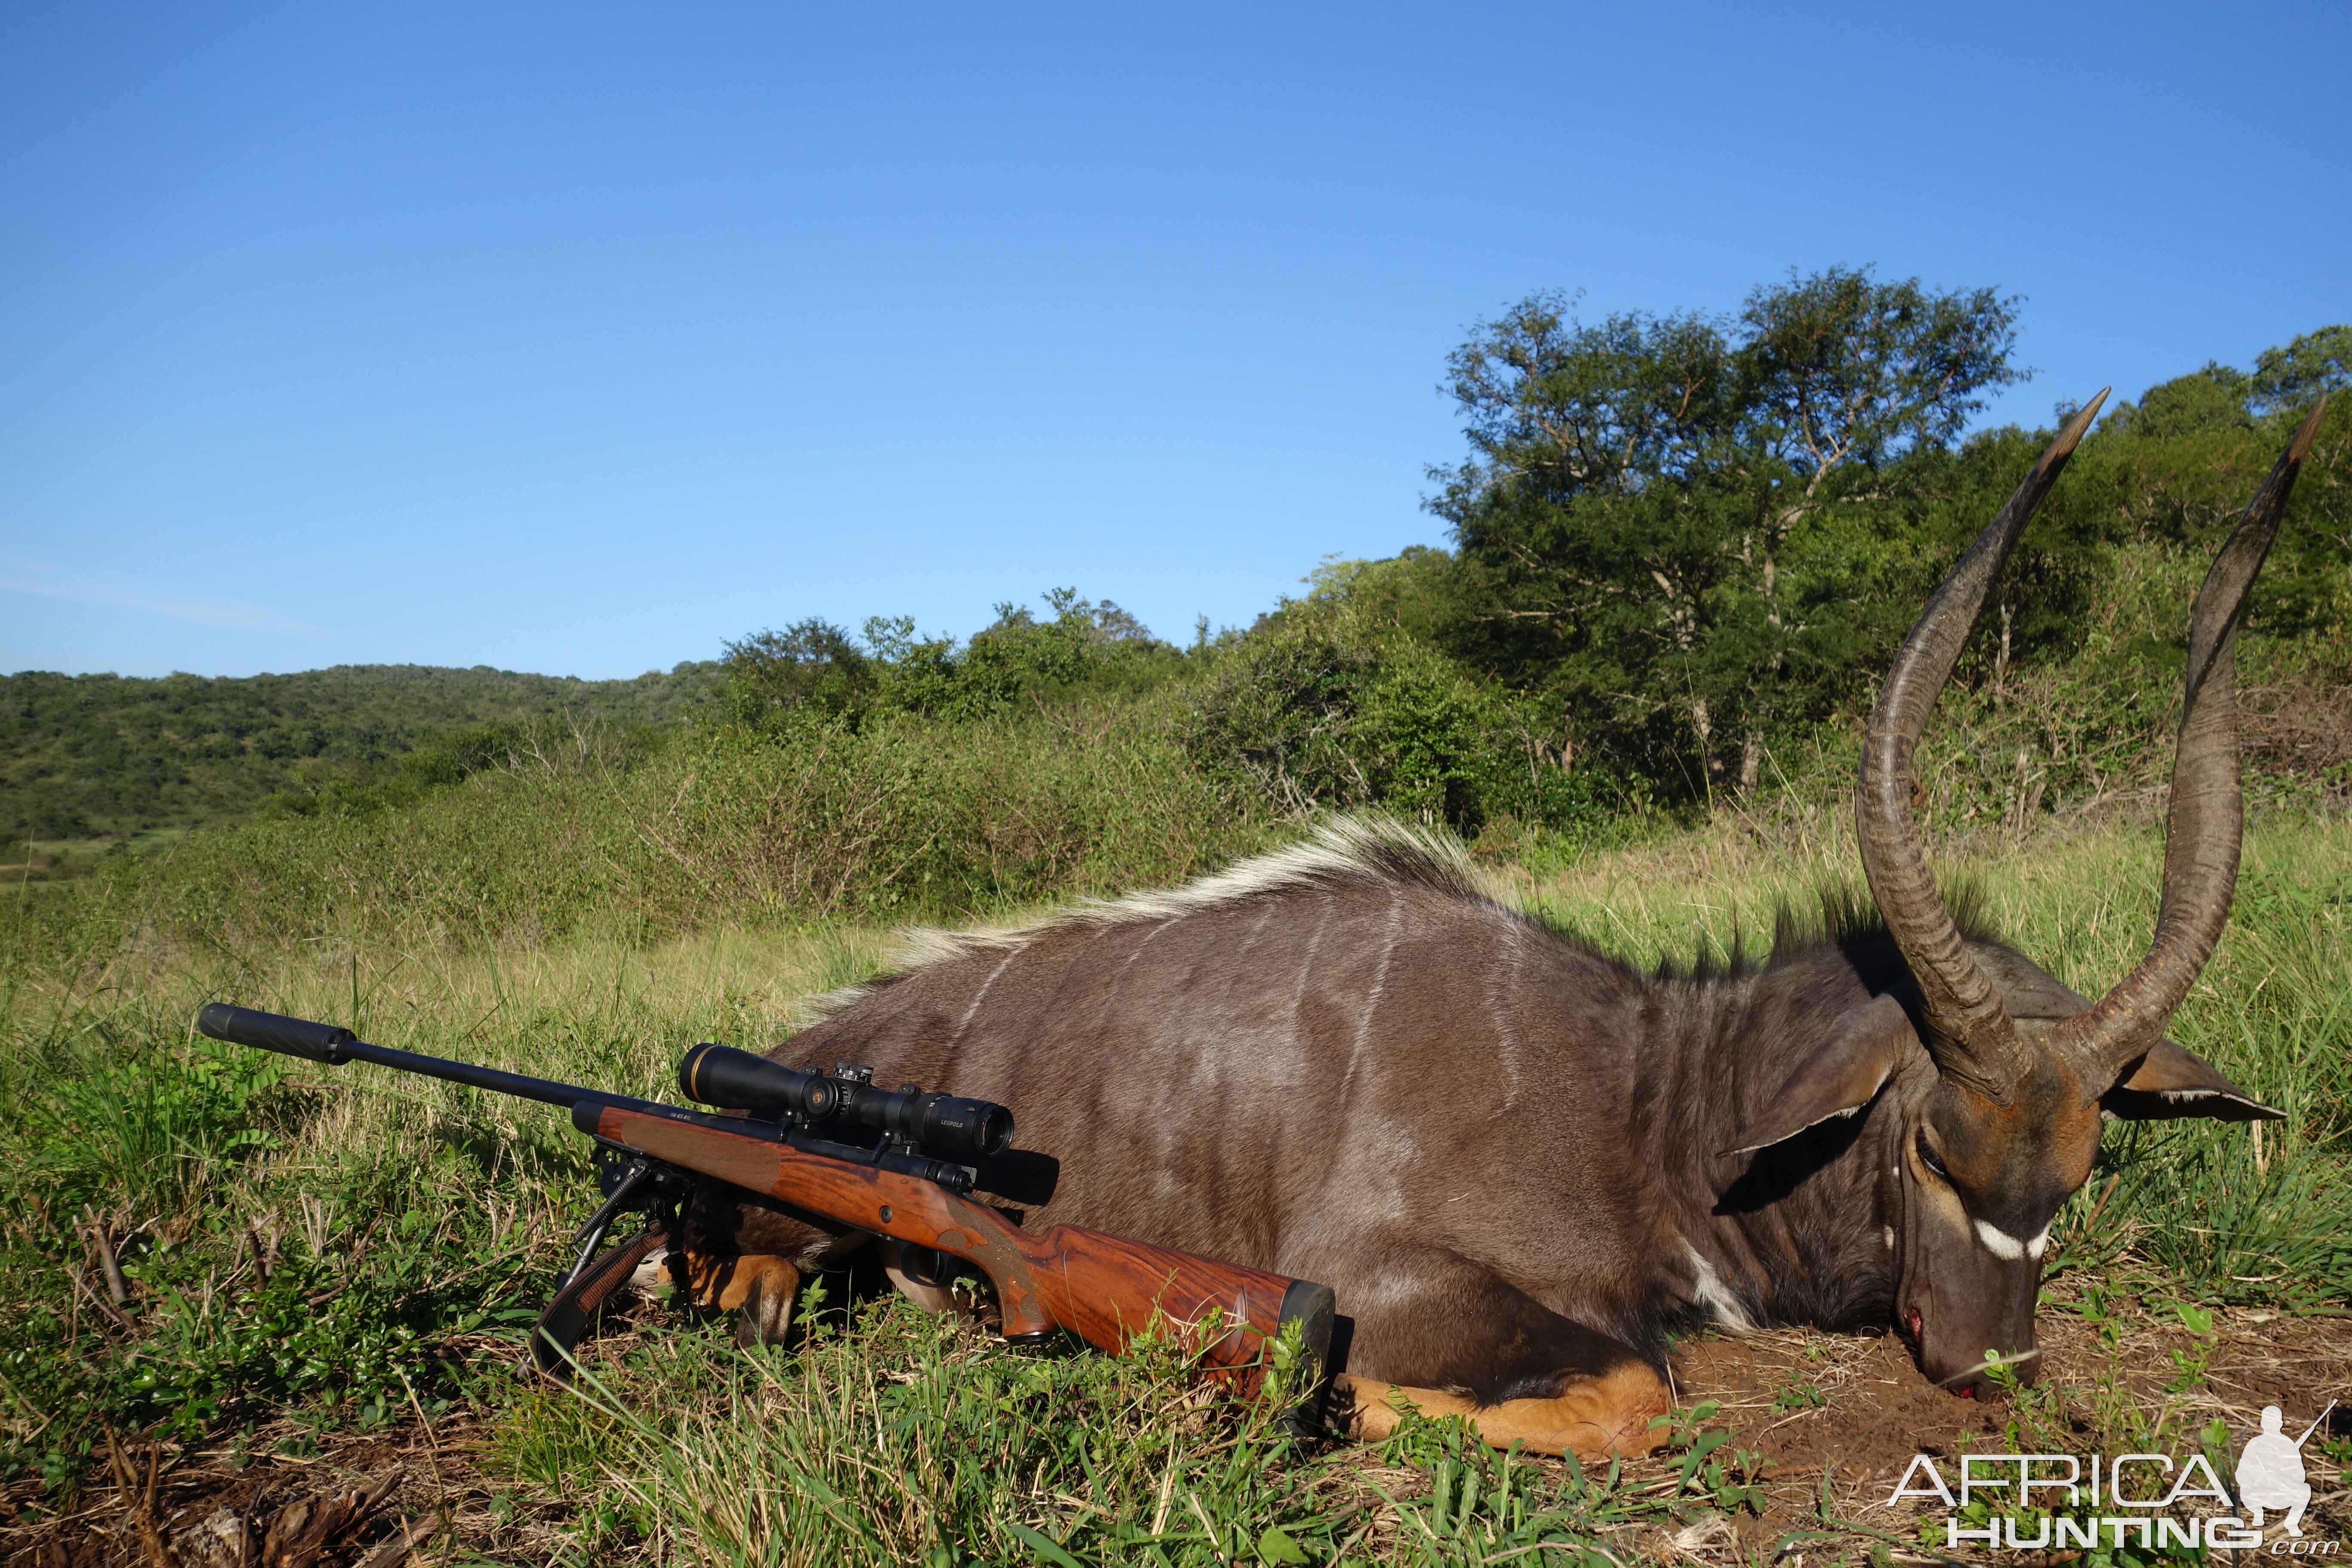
(942,1124)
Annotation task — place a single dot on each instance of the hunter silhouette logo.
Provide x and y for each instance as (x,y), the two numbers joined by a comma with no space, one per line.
(1994,1491)
(2270,1471)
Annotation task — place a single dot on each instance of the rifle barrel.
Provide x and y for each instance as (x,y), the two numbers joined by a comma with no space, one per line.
(546,1090)
(334,1046)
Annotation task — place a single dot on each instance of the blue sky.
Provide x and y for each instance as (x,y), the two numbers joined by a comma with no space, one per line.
(582,338)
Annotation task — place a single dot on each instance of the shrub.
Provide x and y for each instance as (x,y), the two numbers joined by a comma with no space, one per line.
(1321,707)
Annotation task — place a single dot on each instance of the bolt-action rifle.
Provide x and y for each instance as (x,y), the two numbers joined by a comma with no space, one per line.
(836,1147)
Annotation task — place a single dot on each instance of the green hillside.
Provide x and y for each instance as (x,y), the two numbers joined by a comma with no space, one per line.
(102,754)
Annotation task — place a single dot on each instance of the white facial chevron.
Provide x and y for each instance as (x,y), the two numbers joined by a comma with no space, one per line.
(2007,1247)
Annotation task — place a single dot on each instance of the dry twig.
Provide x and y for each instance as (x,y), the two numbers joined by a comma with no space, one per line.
(138,1500)
(407,1539)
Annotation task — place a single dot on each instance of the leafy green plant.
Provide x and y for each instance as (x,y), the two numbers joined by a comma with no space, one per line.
(2188,1366)
(104,1119)
(1707,1463)
(1797,1394)
(1323,709)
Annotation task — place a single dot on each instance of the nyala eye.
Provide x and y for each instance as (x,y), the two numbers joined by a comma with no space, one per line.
(1927,1158)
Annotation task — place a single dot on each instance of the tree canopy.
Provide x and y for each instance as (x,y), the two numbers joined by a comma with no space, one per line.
(814,672)
(1667,520)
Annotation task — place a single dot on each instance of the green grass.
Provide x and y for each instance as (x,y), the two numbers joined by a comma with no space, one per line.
(408,1228)
(899,818)
(897,1438)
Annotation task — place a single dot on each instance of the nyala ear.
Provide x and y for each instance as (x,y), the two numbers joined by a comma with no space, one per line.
(1839,1078)
(2170,1082)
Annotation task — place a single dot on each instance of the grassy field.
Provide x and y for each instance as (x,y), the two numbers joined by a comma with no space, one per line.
(326,1275)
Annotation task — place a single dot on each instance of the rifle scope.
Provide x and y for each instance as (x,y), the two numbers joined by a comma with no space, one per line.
(945,1125)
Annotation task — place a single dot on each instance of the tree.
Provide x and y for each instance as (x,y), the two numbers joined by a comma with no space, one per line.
(810,666)
(2286,380)
(2221,398)
(814,672)
(1664,520)
(1837,370)
(2200,403)
(1330,702)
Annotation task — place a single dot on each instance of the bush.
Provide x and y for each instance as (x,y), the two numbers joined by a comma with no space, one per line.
(814,671)
(544,745)
(904,816)
(1322,707)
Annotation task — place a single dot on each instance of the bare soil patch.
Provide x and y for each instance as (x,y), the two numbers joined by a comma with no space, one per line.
(1840,1417)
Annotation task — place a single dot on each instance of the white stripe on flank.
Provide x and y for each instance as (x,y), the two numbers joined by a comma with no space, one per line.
(1502,984)
(1343,851)
(2007,1247)
(1373,997)
(1307,969)
(1149,938)
(978,998)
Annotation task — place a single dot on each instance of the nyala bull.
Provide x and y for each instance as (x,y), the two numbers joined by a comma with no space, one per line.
(1516,1159)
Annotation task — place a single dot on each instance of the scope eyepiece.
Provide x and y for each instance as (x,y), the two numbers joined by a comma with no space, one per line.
(946,1123)
(943,1124)
(738,1081)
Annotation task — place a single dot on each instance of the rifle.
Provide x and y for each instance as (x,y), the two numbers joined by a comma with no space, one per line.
(910,1183)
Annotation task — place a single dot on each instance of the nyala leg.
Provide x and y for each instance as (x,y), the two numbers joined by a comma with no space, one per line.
(1452,1337)
(916,1273)
(1592,1419)
(749,1257)
(759,1286)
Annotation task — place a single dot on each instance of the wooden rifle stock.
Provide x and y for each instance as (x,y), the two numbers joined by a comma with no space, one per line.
(1105,1289)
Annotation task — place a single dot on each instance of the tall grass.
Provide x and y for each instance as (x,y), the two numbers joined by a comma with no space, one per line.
(896,819)
(897,1438)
